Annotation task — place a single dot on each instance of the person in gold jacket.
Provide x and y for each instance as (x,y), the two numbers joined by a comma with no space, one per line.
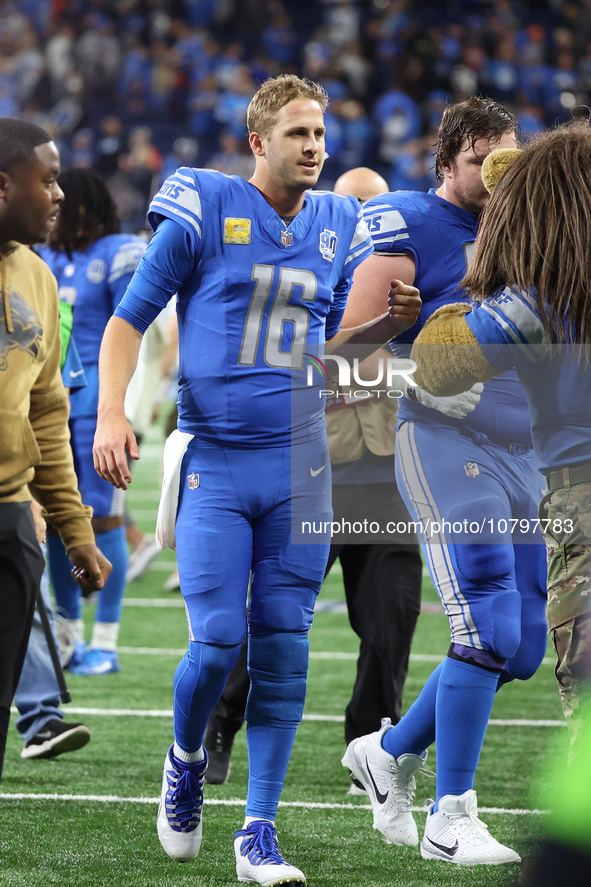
(35,454)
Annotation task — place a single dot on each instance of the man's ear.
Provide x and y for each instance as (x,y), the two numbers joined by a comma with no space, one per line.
(5,184)
(256,144)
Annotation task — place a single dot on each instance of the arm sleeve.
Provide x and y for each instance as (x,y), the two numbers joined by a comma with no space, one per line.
(337,309)
(509,329)
(393,233)
(123,266)
(360,248)
(168,263)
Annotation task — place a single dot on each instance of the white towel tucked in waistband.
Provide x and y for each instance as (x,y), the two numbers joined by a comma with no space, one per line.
(174,450)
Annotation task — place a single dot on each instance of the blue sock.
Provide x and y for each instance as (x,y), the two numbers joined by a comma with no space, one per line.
(110,598)
(278,665)
(269,751)
(465,698)
(416,731)
(199,681)
(65,589)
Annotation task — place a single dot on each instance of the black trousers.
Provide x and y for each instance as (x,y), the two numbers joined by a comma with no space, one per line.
(383,593)
(21,568)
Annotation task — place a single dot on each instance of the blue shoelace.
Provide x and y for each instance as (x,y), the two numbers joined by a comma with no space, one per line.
(184,800)
(260,844)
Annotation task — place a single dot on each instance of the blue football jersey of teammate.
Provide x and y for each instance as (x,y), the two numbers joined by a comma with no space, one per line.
(93,281)
(440,237)
(555,378)
(255,296)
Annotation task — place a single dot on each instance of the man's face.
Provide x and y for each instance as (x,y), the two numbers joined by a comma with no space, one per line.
(294,149)
(462,180)
(31,197)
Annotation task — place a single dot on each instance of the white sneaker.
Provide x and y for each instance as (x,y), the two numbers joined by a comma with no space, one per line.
(173,583)
(389,782)
(455,834)
(179,813)
(141,558)
(356,789)
(259,859)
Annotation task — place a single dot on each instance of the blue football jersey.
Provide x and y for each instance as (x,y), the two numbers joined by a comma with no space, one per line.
(256,298)
(555,378)
(93,281)
(440,237)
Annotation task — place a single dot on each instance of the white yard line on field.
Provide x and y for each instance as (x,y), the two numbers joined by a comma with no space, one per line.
(311,716)
(236,802)
(335,657)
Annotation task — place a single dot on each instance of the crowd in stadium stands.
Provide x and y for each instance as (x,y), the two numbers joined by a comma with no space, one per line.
(136,88)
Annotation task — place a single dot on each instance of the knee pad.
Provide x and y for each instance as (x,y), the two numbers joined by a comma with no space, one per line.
(505,616)
(218,626)
(288,612)
(278,667)
(491,558)
(528,658)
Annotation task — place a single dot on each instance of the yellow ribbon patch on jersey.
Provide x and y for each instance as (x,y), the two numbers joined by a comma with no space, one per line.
(237,230)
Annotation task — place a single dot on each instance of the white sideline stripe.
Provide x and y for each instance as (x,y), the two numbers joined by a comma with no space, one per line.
(143,496)
(163,603)
(236,802)
(330,719)
(164,566)
(336,657)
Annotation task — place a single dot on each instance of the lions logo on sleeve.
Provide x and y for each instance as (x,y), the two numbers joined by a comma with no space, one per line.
(178,199)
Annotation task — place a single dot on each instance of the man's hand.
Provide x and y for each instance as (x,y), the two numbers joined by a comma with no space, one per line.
(113,436)
(40,525)
(91,568)
(404,306)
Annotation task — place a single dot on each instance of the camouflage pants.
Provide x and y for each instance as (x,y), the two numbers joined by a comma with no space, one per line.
(568,541)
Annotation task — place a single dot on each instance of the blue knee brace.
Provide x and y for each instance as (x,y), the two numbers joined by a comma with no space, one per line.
(278,666)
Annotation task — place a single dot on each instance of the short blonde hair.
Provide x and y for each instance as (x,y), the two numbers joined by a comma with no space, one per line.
(277,92)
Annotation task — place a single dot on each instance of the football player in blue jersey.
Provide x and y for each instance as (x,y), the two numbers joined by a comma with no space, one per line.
(93,264)
(487,583)
(539,324)
(261,270)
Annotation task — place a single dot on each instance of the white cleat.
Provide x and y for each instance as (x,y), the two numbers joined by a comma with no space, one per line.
(455,834)
(141,558)
(259,859)
(389,782)
(179,814)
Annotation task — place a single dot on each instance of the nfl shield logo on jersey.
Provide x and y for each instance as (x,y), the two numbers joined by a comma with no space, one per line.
(471,469)
(286,238)
(328,245)
(193,481)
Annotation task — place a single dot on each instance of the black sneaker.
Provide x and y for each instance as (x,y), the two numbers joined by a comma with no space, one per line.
(55,738)
(219,749)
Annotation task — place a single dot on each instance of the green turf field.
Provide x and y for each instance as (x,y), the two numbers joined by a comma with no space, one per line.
(87,819)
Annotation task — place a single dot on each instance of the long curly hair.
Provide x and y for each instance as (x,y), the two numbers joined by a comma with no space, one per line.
(87,213)
(535,233)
